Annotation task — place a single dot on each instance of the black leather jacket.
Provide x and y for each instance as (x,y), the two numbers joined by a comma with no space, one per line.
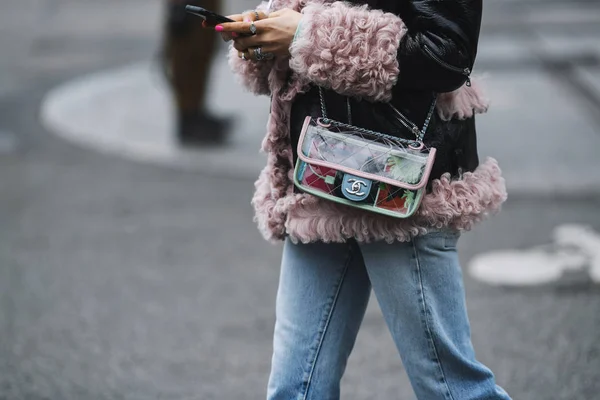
(435,56)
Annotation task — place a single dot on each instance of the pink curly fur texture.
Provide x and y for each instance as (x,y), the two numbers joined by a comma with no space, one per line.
(464,102)
(278,211)
(456,203)
(251,74)
(351,50)
(264,205)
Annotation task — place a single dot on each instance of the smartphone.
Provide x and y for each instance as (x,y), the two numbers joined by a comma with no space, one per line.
(210,17)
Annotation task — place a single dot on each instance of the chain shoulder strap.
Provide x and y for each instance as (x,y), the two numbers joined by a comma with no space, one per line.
(418,132)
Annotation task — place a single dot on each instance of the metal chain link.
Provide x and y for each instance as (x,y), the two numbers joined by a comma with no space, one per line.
(419,133)
(323,111)
(428,119)
(349,110)
(370,132)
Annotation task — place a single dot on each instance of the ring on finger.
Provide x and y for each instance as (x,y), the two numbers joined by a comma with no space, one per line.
(260,56)
(256,15)
(252,28)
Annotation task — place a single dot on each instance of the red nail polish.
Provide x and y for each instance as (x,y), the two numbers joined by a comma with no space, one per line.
(233,34)
(219,28)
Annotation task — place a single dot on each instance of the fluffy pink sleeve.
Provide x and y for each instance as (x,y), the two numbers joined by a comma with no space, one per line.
(253,75)
(350,49)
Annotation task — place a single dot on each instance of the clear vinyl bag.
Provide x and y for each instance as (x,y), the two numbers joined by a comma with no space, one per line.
(363,168)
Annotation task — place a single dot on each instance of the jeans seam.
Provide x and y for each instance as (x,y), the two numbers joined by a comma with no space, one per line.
(327,321)
(426,316)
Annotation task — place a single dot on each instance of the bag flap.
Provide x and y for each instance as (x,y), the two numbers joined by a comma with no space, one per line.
(352,153)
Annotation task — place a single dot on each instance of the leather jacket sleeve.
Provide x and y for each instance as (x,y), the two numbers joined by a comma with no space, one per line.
(367,52)
(438,51)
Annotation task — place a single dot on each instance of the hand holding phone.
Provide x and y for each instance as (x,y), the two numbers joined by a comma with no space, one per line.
(210,17)
(271,35)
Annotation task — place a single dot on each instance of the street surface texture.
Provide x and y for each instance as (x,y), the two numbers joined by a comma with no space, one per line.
(122,279)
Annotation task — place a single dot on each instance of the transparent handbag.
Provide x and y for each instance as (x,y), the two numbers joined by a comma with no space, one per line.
(362,168)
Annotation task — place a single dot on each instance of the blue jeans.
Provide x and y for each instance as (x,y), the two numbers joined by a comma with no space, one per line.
(323,293)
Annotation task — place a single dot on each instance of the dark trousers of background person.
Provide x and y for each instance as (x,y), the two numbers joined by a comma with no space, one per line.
(188,51)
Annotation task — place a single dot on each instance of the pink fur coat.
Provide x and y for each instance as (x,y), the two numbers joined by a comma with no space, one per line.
(364,43)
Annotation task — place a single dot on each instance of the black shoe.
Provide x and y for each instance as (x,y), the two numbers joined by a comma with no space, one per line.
(201,129)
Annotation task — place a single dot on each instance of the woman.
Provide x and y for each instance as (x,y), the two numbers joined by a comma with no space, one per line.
(403,52)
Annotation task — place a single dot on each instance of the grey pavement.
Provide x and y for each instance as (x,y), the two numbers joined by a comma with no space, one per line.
(129,280)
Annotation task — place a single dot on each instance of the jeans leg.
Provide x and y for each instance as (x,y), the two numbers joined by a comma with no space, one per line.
(321,301)
(420,291)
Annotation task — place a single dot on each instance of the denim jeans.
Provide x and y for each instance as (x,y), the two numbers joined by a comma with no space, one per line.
(323,293)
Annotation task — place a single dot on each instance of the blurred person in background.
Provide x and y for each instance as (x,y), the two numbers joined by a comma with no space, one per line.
(188,51)
(408,53)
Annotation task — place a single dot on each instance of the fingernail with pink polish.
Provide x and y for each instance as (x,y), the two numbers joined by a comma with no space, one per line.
(246,19)
(219,28)
(233,34)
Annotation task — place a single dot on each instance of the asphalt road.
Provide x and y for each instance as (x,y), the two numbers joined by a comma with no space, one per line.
(121,280)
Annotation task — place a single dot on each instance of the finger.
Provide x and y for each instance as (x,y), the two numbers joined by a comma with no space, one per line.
(232,27)
(249,16)
(241,47)
(236,17)
(253,15)
(240,27)
(244,55)
(228,36)
(238,47)
(270,49)
(251,53)
(268,52)
(262,15)
(243,43)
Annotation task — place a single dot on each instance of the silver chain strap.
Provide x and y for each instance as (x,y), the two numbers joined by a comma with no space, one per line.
(419,133)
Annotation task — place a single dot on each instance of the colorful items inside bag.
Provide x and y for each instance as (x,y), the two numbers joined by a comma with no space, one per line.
(375,173)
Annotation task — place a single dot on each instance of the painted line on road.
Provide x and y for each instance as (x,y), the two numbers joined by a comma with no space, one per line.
(127,112)
(575,248)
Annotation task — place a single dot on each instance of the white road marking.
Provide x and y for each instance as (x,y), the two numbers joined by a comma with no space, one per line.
(575,247)
(128,112)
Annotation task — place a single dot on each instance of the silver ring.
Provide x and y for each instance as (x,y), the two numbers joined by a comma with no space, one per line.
(260,56)
(243,56)
(253,28)
(257,15)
